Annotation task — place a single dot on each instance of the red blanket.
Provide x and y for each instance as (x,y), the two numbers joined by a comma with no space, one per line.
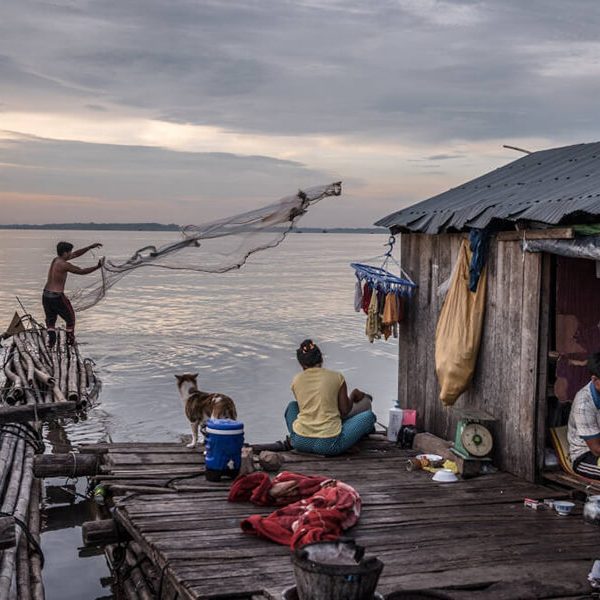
(314,508)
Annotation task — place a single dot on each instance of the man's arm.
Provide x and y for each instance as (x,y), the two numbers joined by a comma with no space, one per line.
(79,271)
(594,445)
(82,251)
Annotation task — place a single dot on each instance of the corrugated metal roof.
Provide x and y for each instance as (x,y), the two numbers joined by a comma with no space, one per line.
(549,186)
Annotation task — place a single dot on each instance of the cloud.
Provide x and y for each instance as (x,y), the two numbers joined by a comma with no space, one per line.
(137,183)
(349,88)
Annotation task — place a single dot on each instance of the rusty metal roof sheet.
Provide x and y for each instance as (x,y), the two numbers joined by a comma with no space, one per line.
(549,187)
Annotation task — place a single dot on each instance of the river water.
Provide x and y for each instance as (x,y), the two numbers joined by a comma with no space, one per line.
(238,330)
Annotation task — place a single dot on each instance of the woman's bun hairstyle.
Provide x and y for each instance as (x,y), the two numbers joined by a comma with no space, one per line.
(309,355)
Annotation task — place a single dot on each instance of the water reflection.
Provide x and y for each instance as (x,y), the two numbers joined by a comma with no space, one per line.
(238,330)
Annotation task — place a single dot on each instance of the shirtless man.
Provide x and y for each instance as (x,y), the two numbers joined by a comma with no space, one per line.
(53,299)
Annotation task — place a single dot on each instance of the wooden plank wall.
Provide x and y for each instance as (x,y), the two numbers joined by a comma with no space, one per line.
(505,382)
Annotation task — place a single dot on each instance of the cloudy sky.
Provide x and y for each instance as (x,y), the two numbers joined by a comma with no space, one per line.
(185,110)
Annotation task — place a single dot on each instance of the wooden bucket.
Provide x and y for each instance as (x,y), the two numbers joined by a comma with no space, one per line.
(327,570)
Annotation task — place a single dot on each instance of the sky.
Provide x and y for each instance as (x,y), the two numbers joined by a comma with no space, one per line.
(188,110)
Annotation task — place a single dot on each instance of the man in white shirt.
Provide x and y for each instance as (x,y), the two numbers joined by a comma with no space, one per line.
(584,425)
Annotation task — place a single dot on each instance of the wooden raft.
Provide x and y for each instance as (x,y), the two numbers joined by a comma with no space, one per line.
(471,539)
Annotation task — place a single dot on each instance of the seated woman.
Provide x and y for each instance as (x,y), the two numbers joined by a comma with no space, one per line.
(324,419)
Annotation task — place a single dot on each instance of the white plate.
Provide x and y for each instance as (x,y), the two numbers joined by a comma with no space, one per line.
(430,457)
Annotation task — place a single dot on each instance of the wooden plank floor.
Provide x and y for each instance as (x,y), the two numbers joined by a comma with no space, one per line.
(471,539)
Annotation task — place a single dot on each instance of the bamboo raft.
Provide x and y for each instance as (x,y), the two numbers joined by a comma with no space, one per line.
(20,561)
(39,385)
(179,538)
(40,382)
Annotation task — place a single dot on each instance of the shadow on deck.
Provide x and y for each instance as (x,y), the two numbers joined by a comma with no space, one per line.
(471,539)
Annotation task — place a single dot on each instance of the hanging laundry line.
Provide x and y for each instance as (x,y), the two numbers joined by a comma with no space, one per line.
(381,279)
(381,295)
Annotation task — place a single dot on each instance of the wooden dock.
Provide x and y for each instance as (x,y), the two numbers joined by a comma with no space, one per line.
(470,539)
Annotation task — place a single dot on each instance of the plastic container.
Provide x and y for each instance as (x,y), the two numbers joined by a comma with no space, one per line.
(224,441)
(409,417)
(394,422)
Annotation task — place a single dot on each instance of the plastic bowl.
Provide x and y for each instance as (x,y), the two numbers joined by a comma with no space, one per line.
(433,458)
(445,476)
(563,507)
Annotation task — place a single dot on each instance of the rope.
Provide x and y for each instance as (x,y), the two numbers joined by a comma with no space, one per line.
(75,494)
(27,433)
(129,570)
(161,581)
(180,478)
(30,539)
(72,453)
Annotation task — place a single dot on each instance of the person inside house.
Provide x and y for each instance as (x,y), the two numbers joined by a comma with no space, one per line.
(55,302)
(584,424)
(324,418)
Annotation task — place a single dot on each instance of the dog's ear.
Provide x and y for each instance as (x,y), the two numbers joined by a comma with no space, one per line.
(178,377)
(195,375)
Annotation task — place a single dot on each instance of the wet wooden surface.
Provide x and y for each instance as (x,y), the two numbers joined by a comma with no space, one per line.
(471,539)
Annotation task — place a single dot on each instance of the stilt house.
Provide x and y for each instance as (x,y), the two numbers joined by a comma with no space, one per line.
(542,308)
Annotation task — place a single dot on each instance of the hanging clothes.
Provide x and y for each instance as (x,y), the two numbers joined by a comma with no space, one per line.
(459,328)
(390,310)
(479,240)
(387,309)
(372,328)
(401,309)
(366,298)
(358,296)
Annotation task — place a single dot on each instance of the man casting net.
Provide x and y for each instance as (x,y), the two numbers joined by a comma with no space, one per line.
(215,247)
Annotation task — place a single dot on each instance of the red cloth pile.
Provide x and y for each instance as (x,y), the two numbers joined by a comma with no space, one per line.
(313,508)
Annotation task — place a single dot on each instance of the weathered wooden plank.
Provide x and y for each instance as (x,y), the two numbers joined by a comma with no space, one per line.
(407,520)
(556,233)
(530,323)
(543,359)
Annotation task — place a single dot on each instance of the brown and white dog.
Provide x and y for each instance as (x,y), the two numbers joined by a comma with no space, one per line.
(201,406)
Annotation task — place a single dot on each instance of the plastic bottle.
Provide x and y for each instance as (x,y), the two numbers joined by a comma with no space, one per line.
(99,494)
(394,422)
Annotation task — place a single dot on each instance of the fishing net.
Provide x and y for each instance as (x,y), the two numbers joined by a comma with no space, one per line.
(214,247)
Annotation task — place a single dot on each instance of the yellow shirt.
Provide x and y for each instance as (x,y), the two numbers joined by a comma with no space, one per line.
(316,391)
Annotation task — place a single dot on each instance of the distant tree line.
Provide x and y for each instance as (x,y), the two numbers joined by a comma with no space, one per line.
(172,227)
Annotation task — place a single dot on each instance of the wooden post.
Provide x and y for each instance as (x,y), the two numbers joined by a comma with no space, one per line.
(37,584)
(70,464)
(28,412)
(103,533)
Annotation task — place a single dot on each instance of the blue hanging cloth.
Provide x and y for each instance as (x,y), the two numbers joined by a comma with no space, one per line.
(479,240)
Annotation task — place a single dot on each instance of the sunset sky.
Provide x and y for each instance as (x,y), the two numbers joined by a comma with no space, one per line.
(186,110)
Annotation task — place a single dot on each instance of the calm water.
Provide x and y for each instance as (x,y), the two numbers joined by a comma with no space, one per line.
(239,331)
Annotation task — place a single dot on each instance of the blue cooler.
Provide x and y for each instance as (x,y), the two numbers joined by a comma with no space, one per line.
(224,441)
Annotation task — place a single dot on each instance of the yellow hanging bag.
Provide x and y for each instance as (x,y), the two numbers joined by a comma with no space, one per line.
(458,332)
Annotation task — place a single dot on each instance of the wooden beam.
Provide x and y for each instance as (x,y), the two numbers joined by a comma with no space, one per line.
(103,532)
(28,412)
(71,464)
(431,444)
(556,233)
